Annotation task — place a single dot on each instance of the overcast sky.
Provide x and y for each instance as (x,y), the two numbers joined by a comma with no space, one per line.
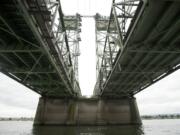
(162,97)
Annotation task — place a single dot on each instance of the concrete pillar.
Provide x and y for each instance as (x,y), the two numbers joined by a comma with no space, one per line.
(87,112)
(71,113)
(135,117)
(41,108)
(101,117)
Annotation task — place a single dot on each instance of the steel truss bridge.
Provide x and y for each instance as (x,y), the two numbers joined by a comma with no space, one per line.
(40,46)
(137,45)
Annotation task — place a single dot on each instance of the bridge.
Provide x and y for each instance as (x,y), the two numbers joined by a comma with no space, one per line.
(36,49)
(136,46)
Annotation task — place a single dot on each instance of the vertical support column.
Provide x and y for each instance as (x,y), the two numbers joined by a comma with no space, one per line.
(100,116)
(72,112)
(135,116)
(87,112)
(118,111)
(52,111)
(40,112)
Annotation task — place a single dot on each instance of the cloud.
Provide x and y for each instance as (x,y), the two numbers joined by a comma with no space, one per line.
(14,111)
(161,97)
(87,60)
(86,7)
(15,97)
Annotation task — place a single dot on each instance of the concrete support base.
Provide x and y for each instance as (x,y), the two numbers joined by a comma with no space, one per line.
(87,112)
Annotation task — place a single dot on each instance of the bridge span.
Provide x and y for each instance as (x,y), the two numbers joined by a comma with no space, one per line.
(39,50)
(133,58)
(136,46)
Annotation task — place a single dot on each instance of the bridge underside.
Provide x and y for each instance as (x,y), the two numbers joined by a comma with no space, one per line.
(151,50)
(29,51)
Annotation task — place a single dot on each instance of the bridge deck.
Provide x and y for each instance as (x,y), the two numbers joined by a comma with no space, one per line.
(28,52)
(151,50)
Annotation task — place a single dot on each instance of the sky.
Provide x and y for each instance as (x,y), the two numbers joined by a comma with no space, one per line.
(162,97)
(87,59)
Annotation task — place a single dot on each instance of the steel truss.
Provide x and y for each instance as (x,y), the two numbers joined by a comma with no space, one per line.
(67,34)
(111,33)
(45,46)
(72,25)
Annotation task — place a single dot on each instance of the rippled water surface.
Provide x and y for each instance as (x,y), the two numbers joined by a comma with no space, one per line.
(149,127)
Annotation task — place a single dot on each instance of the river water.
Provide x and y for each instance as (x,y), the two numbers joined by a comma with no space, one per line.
(149,127)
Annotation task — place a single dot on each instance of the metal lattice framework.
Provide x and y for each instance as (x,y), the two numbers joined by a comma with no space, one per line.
(137,45)
(72,25)
(101,24)
(147,35)
(110,36)
(38,48)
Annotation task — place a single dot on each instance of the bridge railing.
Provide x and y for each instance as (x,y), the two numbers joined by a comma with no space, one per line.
(111,33)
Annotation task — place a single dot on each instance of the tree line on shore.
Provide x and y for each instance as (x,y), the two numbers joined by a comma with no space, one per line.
(161,116)
(16,119)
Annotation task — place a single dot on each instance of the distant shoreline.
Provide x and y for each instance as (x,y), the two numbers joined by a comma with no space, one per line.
(16,119)
(161,116)
(143,117)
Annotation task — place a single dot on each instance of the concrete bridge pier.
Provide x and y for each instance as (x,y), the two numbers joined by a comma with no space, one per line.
(87,112)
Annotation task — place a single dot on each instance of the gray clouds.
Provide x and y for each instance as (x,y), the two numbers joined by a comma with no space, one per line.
(162,97)
(16,98)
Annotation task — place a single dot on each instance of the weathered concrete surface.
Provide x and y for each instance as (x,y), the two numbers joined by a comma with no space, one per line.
(87,112)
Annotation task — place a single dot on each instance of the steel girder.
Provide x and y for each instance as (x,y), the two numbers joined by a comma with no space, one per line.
(36,47)
(110,36)
(149,52)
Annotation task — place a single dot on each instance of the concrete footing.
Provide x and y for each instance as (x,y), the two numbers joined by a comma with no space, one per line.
(87,112)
